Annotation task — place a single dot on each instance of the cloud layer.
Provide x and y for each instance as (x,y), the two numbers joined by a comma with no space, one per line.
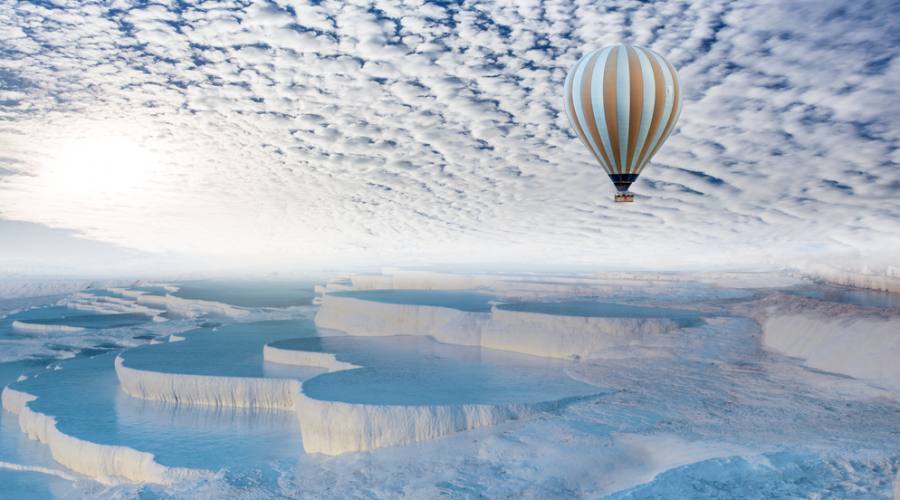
(392,132)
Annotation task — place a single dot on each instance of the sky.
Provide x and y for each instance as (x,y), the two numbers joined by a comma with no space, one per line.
(288,134)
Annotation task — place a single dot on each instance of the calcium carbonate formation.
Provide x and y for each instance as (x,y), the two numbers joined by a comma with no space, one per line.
(330,427)
(239,392)
(335,427)
(536,334)
(106,463)
(327,427)
(30,327)
(817,332)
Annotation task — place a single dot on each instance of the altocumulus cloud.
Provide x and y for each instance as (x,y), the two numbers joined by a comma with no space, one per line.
(411,131)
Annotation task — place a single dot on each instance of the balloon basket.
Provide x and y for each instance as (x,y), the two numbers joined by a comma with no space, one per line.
(624,197)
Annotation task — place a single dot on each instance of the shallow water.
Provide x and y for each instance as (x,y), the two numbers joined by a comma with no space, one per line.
(93,320)
(413,370)
(462,300)
(48,312)
(27,469)
(234,350)
(104,332)
(34,485)
(85,399)
(249,293)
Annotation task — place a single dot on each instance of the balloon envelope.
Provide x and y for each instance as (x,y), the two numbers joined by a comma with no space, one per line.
(623,102)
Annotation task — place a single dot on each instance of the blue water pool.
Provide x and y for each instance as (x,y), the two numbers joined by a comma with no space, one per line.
(51,312)
(462,300)
(93,320)
(412,370)
(85,399)
(249,293)
(104,332)
(234,350)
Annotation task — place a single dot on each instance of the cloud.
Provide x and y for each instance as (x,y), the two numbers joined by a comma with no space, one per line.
(404,132)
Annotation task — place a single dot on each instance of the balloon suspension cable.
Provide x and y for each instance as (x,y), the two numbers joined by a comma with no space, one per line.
(624,197)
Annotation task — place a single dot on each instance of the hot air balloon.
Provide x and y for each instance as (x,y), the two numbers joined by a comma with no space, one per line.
(623,102)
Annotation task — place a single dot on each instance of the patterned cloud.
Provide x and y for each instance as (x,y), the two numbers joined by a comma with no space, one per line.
(414,132)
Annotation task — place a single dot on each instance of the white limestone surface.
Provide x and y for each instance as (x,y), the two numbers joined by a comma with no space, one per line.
(333,427)
(179,307)
(834,337)
(107,305)
(125,292)
(190,308)
(106,463)
(862,347)
(523,332)
(293,357)
(531,285)
(884,278)
(243,392)
(422,280)
(370,318)
(44,328)
(556,336)
(328,427)
(12,287)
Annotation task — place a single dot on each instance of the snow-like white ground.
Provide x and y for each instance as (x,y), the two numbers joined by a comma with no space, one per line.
(772,395)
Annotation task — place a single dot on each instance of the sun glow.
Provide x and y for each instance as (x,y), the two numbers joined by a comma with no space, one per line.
(100,163)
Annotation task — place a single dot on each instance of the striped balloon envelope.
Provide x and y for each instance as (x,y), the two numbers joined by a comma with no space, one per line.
(623,102)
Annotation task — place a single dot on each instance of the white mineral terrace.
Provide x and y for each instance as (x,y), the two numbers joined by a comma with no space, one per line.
(31,327)
(106,463)
(531,333)
(329,427)
(819,334)
(814,331)
(240,392)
